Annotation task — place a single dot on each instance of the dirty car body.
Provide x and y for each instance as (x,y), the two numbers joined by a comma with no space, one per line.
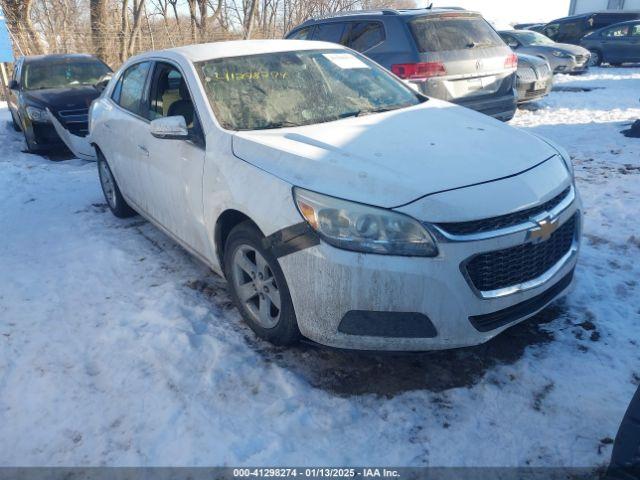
(59,85)
(397,222)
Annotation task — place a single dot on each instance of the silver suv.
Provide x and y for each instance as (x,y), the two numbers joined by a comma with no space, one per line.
(448,53)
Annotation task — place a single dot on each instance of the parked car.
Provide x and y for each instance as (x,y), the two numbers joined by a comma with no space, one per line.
(615,44)
(563,57)
(450,54)
(340,204)
(572,29)
(63,84)
(534,78)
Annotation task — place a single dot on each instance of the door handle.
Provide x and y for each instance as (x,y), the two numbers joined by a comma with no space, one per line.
(144,150)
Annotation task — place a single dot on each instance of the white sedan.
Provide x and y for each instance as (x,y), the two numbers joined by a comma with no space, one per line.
(339,204)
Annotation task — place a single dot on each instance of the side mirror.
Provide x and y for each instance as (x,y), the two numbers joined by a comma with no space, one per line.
(170,128)
(102,83)
(14,85)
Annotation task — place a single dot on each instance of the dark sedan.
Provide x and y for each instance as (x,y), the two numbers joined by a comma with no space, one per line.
(63,84)
(615,44)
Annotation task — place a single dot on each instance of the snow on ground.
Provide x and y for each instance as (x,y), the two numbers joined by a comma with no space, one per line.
(116,347)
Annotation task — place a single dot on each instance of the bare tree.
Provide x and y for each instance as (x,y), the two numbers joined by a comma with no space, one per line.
(18,15)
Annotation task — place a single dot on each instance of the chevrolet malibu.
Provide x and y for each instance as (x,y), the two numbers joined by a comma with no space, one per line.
(340,204)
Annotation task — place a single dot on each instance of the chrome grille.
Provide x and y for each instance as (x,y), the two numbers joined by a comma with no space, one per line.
(75,120)
(503,221)
(522,263)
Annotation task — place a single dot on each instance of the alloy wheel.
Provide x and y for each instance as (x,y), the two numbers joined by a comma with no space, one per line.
(108,184)
(256,286)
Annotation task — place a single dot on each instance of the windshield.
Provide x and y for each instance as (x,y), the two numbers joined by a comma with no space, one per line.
(533,38)
(441,33)
(288,89)
(41,75)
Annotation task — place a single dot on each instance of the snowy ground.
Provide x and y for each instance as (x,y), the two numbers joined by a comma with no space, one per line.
(118,348)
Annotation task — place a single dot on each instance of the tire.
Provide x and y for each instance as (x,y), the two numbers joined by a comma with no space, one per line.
(116,202)
(596,58)
(257,286)
(15,124)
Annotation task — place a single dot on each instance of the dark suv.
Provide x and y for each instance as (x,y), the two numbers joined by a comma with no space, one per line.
(448,53)
(573,29)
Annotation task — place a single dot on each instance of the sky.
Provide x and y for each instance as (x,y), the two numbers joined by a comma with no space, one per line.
(509,11)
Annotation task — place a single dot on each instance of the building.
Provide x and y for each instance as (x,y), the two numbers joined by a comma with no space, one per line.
(586,6)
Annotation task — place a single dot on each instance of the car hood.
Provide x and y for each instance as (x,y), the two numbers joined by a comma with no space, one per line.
(63,98)
(393,158)
(564,47)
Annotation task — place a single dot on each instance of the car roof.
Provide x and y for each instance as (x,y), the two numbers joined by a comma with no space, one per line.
(599,12)
(238,48)
(385,12)
(57,57)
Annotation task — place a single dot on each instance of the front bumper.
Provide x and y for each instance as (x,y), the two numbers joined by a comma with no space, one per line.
(335,292)
(529,91)
(570,65)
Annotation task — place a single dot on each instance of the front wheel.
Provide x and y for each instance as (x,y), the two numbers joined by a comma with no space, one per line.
(596,58)
(14,123)
(117,204)
(258,287)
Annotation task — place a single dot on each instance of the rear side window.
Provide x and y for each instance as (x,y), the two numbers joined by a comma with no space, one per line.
(302,34)
(129,90)
(616,32)
(635,30)
(329,32)
(365,35)
(453,32)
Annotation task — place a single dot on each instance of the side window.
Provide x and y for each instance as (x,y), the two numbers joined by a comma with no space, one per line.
(509,40)
(302,34)
(129,90)
(551,31)
(365,35)
(329,32)
(635,30)
(617,32)
(170,97)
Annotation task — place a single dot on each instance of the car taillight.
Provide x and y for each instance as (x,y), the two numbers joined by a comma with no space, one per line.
(416,71)
(511,61)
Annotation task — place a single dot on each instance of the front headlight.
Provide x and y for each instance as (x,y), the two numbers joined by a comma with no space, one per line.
(361,228)
(38,115)
(559,54)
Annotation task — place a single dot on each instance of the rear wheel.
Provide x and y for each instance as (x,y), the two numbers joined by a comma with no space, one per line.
(258,287)
(117,204)
(596,58)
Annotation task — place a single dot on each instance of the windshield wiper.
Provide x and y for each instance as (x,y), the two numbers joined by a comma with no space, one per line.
(281,124)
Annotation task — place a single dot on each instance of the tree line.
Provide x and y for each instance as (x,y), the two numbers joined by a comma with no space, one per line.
(116,29)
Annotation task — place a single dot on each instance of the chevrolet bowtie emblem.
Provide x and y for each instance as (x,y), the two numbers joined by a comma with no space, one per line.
(544,230)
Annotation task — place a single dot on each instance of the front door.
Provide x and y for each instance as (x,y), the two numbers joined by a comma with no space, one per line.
(174,168)
(614,42)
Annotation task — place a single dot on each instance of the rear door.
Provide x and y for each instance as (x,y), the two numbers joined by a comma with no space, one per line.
(470,53)
(128,126)
(615,43)
(633,44)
